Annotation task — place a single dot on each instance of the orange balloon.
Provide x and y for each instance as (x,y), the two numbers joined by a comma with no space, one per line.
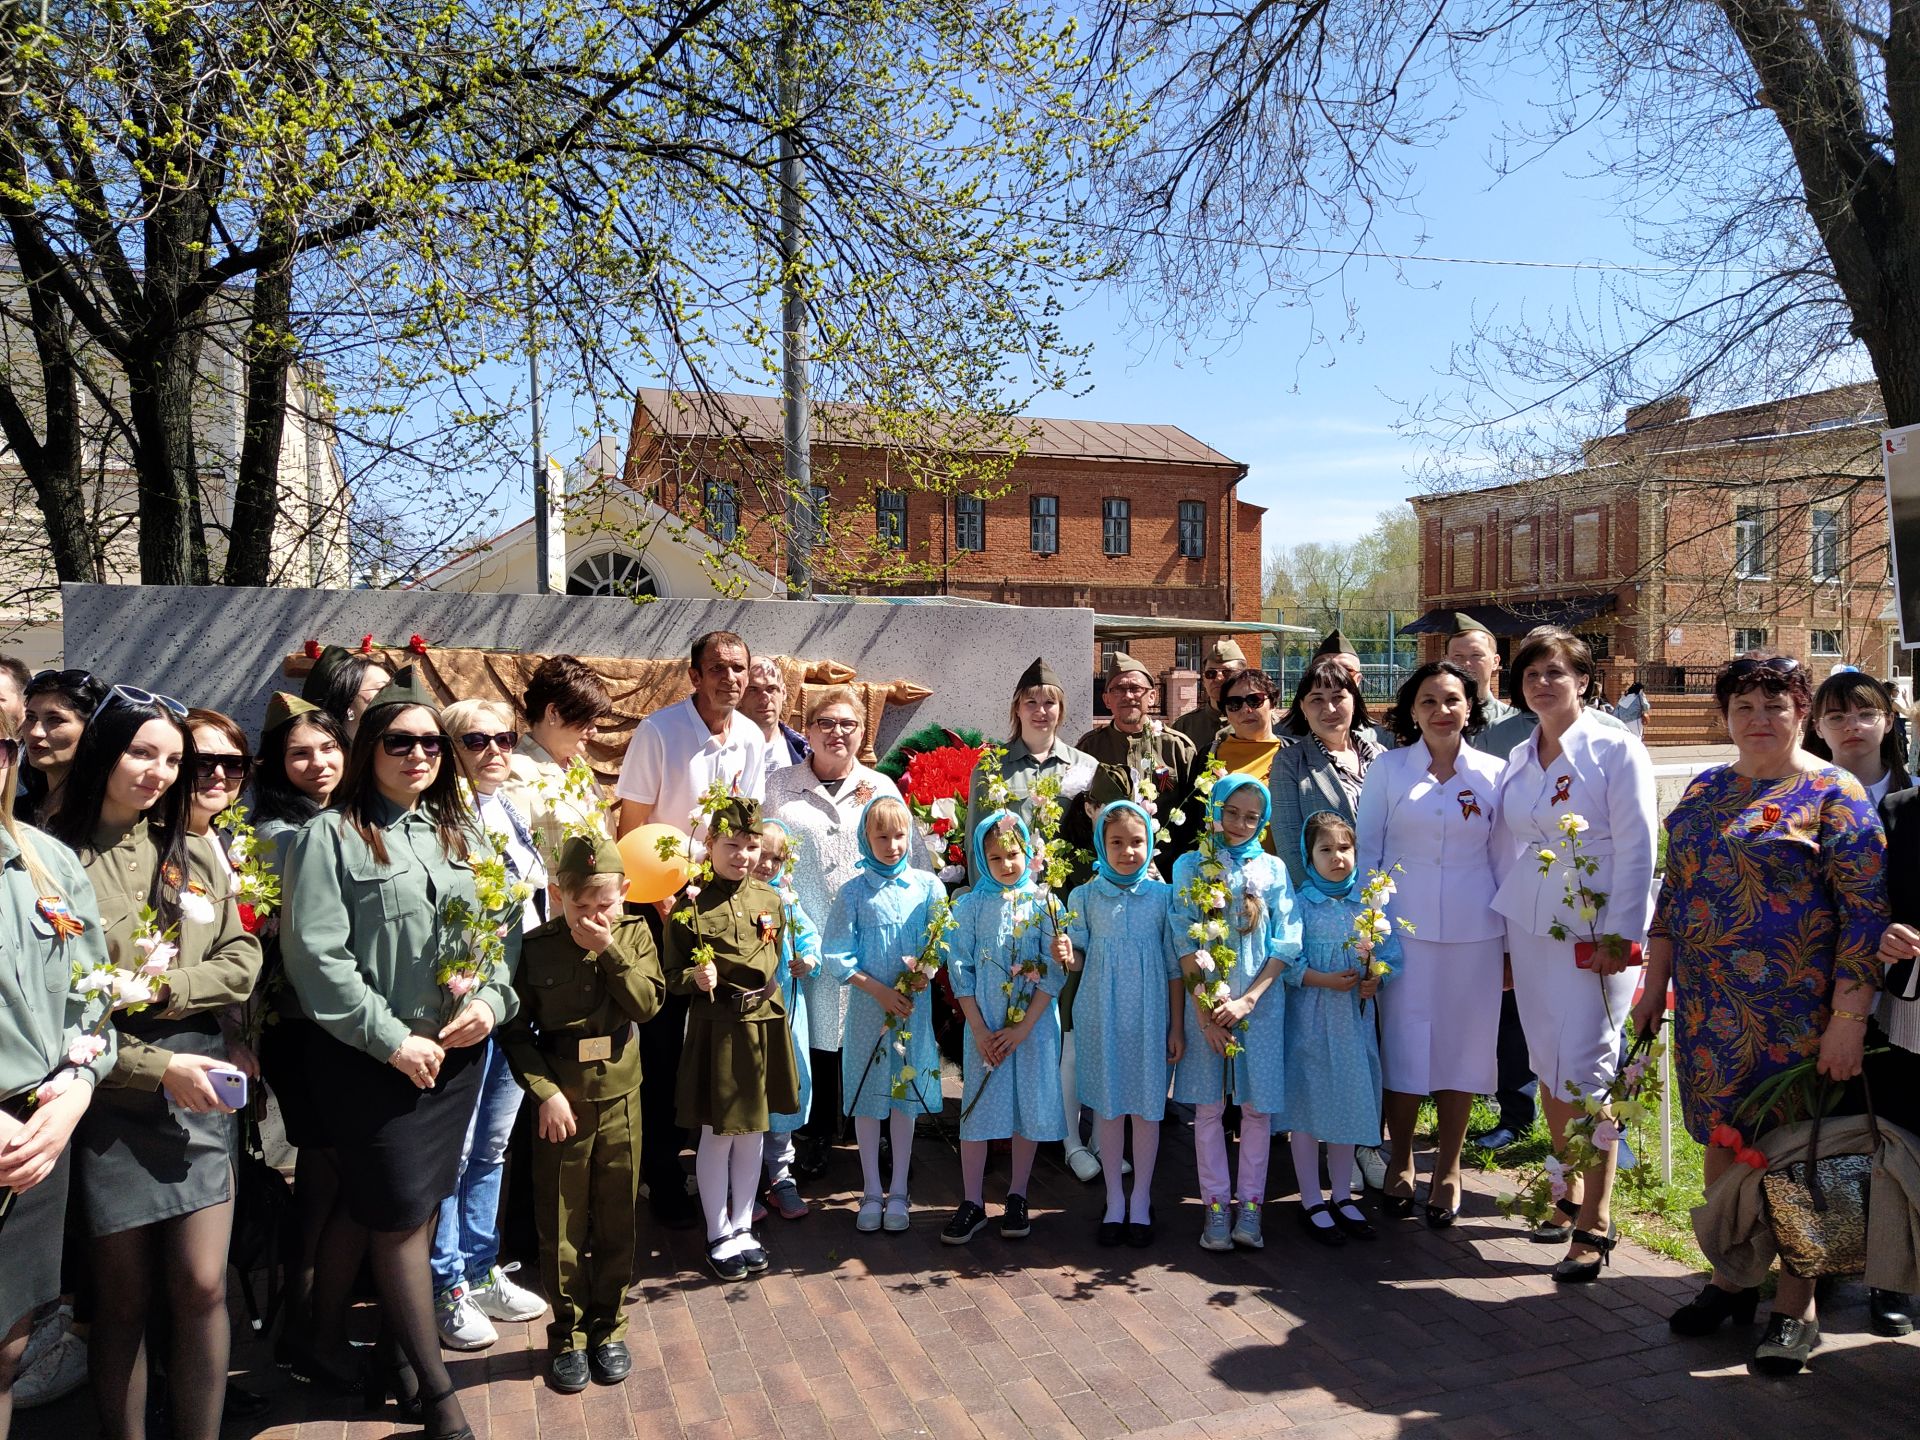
(649,877)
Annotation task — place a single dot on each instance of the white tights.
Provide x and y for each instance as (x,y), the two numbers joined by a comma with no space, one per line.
(1146,1149)
(866,1129)
(728,1169)
(1306,1168)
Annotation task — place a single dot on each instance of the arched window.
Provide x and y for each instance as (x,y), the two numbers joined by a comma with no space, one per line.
(612,572)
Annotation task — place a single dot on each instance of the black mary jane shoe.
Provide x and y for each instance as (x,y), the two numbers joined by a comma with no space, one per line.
(727,1267)
(1889,1313)
(1549,1233)
(610,1361)
(1356,1225)
(1112,1233)
(1584,1272)
(569,1372)
(1329,1235)
(1713,1307)
(754,1256)
(1140,1236)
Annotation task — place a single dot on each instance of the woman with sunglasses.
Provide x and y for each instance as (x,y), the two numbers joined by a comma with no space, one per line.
(153,1158)
(471,1289)
(43,1020)
(1768,925)
(58,703)
(1250,743)
(303,751)
(401,1057)
(222,761)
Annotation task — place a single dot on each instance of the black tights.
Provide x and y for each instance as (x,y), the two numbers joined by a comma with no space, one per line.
(401,1273)
(12,1348)
(316,1192)
(193,1248)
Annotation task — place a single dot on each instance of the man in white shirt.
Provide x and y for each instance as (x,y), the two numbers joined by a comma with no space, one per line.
(675,754)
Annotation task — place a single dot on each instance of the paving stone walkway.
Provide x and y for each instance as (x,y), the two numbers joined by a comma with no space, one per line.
(1456,1332)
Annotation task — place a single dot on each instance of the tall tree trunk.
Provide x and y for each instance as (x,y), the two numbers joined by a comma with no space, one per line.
(51,459)
(256,496)
(160,409)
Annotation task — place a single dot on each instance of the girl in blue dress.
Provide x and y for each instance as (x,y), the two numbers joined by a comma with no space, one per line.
(1231,892)
(799,957)
(1333,1043)
(880,920)
(1006,967)
(1127,1014)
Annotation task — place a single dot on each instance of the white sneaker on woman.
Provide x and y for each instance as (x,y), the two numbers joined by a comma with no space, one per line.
(462,1326)
(500,1299)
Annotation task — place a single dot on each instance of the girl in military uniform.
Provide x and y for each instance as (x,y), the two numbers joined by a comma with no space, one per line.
(49,931)
(722,948)
(586,977)
(153,1157)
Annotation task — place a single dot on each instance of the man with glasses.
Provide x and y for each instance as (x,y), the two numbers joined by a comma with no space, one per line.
(1148,752)
(1202,723)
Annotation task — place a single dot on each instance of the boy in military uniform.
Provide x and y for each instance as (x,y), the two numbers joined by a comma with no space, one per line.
(585,978)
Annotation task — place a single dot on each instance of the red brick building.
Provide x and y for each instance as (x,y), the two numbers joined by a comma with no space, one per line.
(1684,540)
(1139,520)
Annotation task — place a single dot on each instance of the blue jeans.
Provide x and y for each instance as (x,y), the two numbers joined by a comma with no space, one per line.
(466,1237)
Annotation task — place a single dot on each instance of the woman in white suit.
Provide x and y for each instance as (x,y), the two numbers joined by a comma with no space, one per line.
(1430,808)
(1573,1006)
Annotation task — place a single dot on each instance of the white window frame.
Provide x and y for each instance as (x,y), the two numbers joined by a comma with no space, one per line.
(1824,525)
(1747,638)
(1749,541)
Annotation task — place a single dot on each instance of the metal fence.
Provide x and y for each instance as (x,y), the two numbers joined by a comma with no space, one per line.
(1386,657)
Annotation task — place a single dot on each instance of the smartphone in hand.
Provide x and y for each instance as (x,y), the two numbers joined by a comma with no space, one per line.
(231,1086)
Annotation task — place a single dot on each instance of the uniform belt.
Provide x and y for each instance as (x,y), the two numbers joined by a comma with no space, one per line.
(745,1002)
(571,1045)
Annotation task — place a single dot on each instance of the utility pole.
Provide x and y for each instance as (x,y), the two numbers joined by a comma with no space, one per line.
(796,408)
(542,560)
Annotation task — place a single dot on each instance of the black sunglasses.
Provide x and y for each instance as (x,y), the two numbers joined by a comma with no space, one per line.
(397,745)
(1234,702)
(478,740)
(233,767)
(68,680)
(1778,664)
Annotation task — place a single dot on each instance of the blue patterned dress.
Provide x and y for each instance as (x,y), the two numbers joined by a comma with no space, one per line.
(1020,1096)
(1775,891)
(878,923)
(1121,1014)
(797,937)
(1333,1042)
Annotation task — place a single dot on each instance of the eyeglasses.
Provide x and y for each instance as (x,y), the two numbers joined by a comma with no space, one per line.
(1778,664)
(58,680)
(837,727)
(1127,692)
(1234,702)
(478,740)
(230,767)
(397,744)
(134,695)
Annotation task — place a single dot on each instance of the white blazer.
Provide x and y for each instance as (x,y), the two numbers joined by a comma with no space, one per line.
(1442,835)
(1605,776)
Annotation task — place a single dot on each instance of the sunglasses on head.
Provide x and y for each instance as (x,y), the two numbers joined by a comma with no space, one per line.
(397,744)
(1234,702)
(503,740)
(231,767)
(58,680)
(1778,664)
(134,695)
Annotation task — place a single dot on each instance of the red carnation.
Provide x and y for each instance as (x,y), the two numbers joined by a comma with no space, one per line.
(417,644)
(1748,1156)
(1726,1137)
(312,647)
(366,644)
(942,774)
(249,921)
(943,827)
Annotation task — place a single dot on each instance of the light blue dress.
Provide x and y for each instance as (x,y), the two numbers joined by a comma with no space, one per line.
(1020,1096)
(797,937)
(1120,1017)
(1333,1043)
(879,921)
(1256,1078)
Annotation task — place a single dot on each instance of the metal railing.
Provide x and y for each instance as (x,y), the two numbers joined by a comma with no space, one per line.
(1678,679)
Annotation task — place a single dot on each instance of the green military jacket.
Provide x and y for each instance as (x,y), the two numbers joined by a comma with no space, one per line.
(41,1013)
(218,963)
(1202,725)
(741,920)
(1160,747)
(568,996)
(362,940)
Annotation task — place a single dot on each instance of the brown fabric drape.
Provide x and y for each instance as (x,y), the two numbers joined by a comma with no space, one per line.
(637,687)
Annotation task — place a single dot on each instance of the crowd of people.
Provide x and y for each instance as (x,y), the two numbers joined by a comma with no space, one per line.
(400,918)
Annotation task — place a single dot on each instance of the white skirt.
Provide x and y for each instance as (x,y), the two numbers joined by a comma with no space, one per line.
(1573,1018)
(1440,1018)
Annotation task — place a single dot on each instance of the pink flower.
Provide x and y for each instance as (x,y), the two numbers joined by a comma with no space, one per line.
(1558,1188)
(461,984)
(132,990)
(1606,1135)
(52,1086)
(86,1050)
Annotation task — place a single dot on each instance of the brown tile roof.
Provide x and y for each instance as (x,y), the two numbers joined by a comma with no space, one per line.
(688,416)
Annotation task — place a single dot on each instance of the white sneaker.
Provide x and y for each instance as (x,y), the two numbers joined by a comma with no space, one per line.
(58,1370)
(1371,1162)
(462,1326)
(498,1298)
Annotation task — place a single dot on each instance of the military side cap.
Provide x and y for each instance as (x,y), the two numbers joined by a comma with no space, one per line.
(1464,624)
(314,687)
(406,689)
(585,856)
(1038,673)
(1334,644)
(284,709)
(738,815)
(1124,664)
(1226,652)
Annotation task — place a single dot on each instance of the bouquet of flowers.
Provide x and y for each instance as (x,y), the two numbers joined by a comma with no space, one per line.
(707,821)
(1052,858)
(1151,778)
(1208,894)
(256,882)
(1633,1096)
(1371,925)
(1581,899)
(934,783)
(576,797)
(473,942)
(117,989)
(916,974)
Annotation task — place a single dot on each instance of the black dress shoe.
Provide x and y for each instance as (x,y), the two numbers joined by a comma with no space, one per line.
(753,1257)
(1399,1206)
(727,1267)
(1584,1272)
(1139,1236)
(1786,1347)
(1111,1233)
(1356,1225)
(1708,1310)
(1439,1217)
(1891,1312)
(1330,1234)
(569,1371)
(610,1362)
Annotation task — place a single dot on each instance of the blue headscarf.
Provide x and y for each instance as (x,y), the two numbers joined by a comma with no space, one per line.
(1318,888)
(1100,866)
(979,843)
(1222,788)
(868,862)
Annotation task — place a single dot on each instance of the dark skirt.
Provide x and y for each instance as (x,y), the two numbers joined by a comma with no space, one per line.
(140,1159)
(287,1044)
(30,1241)
(736,1074)
(397,1146)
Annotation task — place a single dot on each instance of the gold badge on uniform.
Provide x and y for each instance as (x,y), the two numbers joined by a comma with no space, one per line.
(599,1047)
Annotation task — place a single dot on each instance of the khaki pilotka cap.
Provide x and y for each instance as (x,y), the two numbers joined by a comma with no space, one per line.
(405,689)
(585,856)
(1226,652)
(1124,664)
(285,708)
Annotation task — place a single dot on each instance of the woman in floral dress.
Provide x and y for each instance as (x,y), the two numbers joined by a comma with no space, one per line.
(1768,925)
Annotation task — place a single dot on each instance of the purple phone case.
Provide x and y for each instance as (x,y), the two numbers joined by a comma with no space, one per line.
(231,1087)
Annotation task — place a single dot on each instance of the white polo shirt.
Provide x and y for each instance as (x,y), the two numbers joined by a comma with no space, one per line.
(673,758)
